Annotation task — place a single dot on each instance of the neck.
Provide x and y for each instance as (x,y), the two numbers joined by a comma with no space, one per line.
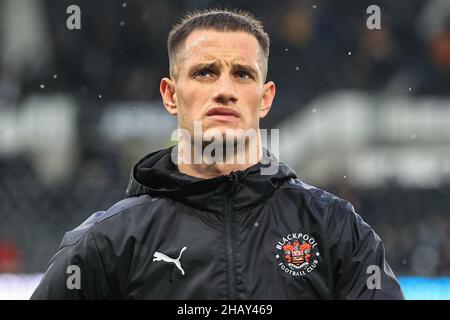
(239,158)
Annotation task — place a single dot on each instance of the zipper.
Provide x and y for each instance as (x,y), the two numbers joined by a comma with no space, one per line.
(231,273)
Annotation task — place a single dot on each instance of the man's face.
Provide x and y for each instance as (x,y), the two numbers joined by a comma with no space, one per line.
(218,80)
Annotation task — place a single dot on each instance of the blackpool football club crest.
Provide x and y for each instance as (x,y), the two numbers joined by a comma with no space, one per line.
(297,254)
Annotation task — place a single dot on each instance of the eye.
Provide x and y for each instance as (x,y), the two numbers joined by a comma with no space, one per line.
(243,74)
(203,73)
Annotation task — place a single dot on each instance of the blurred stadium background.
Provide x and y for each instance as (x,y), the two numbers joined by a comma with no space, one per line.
(362,113)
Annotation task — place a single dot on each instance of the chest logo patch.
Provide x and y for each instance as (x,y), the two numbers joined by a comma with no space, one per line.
(158,256)
(297,254)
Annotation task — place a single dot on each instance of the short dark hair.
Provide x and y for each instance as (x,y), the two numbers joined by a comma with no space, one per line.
(220,20)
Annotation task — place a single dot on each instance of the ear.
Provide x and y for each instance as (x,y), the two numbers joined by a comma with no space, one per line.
(266,102)
(167,89)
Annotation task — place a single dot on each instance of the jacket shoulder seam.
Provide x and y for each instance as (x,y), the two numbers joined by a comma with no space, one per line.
(74,236)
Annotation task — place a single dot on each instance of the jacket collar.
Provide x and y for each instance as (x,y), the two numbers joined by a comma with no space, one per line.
(158,176)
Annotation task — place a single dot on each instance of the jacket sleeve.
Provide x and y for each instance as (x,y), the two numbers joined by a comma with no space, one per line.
(76,271)
(360,266)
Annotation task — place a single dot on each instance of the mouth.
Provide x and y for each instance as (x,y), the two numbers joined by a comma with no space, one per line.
(223,114)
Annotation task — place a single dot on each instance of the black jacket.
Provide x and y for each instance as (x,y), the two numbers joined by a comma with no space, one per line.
(240,236)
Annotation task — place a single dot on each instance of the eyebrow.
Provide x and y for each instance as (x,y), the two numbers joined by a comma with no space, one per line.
(245,67)
(198,66)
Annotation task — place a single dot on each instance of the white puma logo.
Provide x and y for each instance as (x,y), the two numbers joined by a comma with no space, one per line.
(158,256)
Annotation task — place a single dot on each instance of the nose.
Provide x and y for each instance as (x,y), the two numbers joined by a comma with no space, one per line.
(225,91)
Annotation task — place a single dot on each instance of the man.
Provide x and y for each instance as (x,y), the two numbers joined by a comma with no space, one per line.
(214,229)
